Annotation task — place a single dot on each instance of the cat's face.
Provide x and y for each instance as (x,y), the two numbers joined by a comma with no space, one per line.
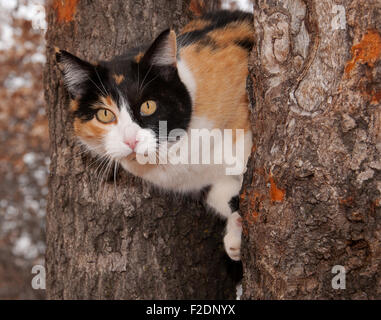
(118,105)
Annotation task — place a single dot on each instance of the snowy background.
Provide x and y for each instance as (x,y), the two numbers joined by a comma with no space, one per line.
(24,144)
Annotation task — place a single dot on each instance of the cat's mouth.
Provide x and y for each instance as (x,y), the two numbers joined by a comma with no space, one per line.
(131,156)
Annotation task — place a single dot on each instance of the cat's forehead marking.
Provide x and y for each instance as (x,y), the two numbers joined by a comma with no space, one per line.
(138,57)
(118,78)
(109,102)
(74,105)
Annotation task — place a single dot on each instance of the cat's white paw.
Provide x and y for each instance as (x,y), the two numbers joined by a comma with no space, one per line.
(233,246)
(232,239)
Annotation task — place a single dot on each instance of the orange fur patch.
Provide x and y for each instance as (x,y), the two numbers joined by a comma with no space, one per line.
(220,95)
(233,32)
(73,105)
(194,25)
(139,56)
(118,78)
(90,131)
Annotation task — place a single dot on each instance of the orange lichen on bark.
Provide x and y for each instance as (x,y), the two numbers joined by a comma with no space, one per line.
(367,51)
(254,216)
(251,218)
(276,194)
(346,201)
(255,204)
(197,7)
(375,97)
(65,9)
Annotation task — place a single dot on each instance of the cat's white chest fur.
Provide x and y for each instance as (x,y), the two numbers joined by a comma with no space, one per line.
(183,176)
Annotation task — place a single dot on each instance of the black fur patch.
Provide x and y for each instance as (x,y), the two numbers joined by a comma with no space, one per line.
(234,203)
(207,42)
(246,44)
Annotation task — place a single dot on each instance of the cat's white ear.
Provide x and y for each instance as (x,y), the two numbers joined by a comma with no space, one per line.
(76,72)
(163,50)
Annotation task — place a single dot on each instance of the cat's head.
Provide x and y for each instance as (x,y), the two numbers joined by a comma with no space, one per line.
(117,105)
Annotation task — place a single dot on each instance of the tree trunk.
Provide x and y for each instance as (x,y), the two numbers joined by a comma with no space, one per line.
(119,240)
(311,198)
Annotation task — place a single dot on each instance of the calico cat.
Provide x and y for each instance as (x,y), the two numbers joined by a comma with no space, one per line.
(196,80)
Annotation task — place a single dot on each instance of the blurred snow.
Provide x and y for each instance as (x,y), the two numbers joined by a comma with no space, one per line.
(29,158)
(14,82)
(6,35)
(8,4)
(33,11)
(244,5)
(24,247)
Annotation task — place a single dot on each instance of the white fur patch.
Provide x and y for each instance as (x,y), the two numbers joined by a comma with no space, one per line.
(221,193)
(187,78)
(125,129)
(232,239)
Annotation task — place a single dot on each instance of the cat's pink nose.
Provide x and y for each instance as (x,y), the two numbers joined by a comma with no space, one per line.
(131,143)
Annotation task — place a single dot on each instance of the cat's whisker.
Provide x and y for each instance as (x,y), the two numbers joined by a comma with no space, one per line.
(106,173)
(149,69)
(100,80)
(149,82)
(101,182)
(138,74)
(97,159)
(100,90)
(101,165)
(115,171)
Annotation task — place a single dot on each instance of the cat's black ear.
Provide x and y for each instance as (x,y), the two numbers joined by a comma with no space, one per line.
(76,72)
(163,50)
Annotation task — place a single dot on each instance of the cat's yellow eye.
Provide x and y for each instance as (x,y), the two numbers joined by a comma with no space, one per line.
(147,108)
(105,116)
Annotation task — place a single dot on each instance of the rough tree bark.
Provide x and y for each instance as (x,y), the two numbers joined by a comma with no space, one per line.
(122,240)
(312,190)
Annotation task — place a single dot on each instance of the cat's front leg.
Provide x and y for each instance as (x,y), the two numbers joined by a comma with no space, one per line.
(223,198)
(232,239)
